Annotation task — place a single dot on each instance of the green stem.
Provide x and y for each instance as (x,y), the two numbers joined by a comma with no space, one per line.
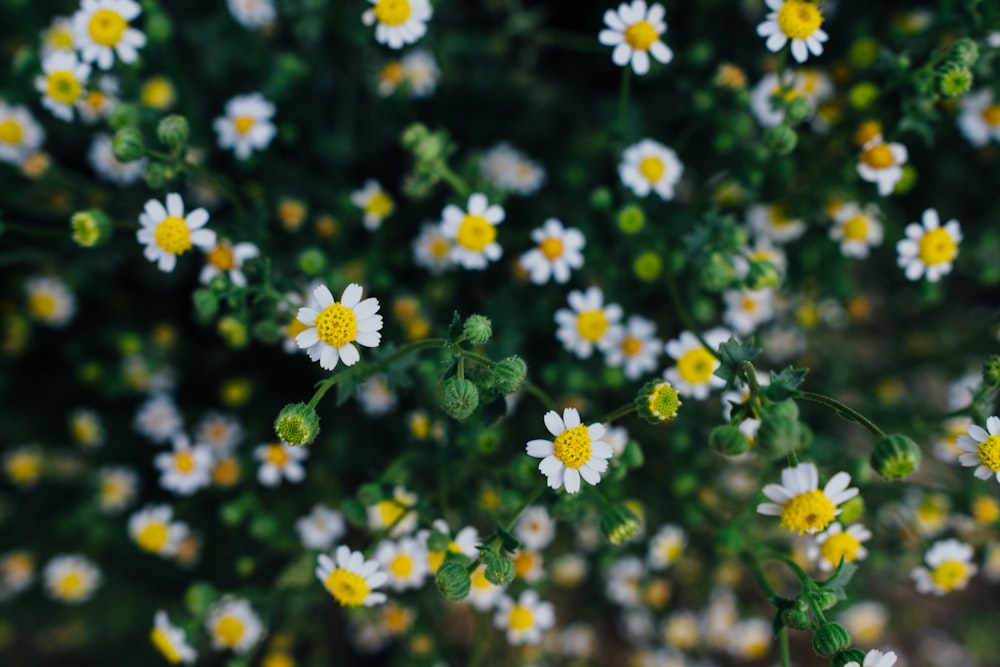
(626,409)
(786,656)
(623,101)
(454,180)
(846,412)
(540,394)
(531,500)
(750,374)
(481,642)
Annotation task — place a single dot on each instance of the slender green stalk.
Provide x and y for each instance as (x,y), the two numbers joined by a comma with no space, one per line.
(540,394)
(623,102)
(786,656)
(846,412)
(454,180)
(618,413)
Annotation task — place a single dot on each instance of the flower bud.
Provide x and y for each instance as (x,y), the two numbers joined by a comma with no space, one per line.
(297,424)
(647,266)
(509,374)
(795,619)
(780,139)
(954,80)
(657,402)
(798,110)
(964,52)
(234,332)
(477,329)
(453,580)
(601,198)
(848,656)
(156,175)
(830,639)
(825,599)
(728,440)
(499,571)
(123,115)
(128,144)
(90,228)
(459,398)
(991,371)
(438,541)
(173,131)
(716,274)
(862,95)
(851,510)
(780,431)
(413,135)
(631,219)
(763,274)
(205,302)
(312,261)
(895,456)
(908,181)
(619,524)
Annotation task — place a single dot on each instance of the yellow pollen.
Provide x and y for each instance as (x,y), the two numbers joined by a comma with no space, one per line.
(799,19)
(153,537)
(70,587)
(24,467)
(348,588)
(631,346)
(401,565)
(106,27)
(277,456)
(520,618)
(950,575)
(226,472)
(95,99)
(937,247)
(162,643)
(985,510)
(229,630)
(42,305)
(184,462)
(475,233)
(393,73)
(640,36)
(59,39)
(856,229)
(63,87)
(390,511)
(221,257)
(243,124)
(989,453)
(652,168)
(392,12)
(878,157)
(337,325)
(439,248)
(841,545)
(172,235)
(573,446)
(380,205)
(696,366)
(552,248)
(991,114)
(591,325)
(11,132)
(524,561)
(807,512)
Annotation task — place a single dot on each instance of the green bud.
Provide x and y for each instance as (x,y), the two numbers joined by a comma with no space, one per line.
(453,580)
(245,566)
(205,302)
(173,131)
(157,26)
(263,526)
(895,457)
(798,110)
(370,493)
(991,371)
(780,139)
(631,219)
(657,402)
(763,274)
(728,440)
(779,431)
(848,656)
(830,639)
(509,374)
(619,524)
(964,52)
(954,80)
(234,332)
(413,135)
(199,597)
(459,398)
(438,541)
(863,52)
(499,571)
(90,228)
(477,329)
(123,115)
(128,144)
(312,261)
(851,510)
(601,198)
(156,175)
(633,456)
(487,441)
(825,599)
(232,513)
(297,424)
(717,273)
(862,95)
(795,619)
(908,181)
(267,331)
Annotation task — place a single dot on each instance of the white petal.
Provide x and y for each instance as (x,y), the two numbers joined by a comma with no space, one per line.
(349,354)
(323,296)
(352,295)
(328,358)
(571,417)
(571,480)
(307,338)
(539,448)
(550,465)
(553,422)
(175,205)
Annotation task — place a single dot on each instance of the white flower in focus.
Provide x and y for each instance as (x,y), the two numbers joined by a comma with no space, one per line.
(795,20)
(803,508)
(981,449)
(101,31)
(333,327)
(398,22)
(588,323)
(557,252)
(636,33)
(577,451)
(929,249)
(473,232)
(525,619)
(835,543)
(635,347)
(693,374)
(351,579)
(650,166)
(167,233)
(246,125)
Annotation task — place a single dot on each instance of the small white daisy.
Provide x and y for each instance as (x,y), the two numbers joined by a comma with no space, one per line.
(979,118)
(186,469)
(279,459)
(882,163)
(246,125)
(398,22)
(158,419)
(693,374)
(71,578)
(636,33)
(506,168)
(856,229)
(98,102)
(650,166)
(803,508)
(50,301)
(101,31)
(102,158)
(420,72)
(875,658)
(951,567)
(171,641)
(981,448)
(228,259)
(751,639)
(635,347)
(525,619)
(321,527)
(535,528)
(58,36)
(866,621)
(219,431)
(155,531)
(61,83)
(375,202)
(117,487)
(395,514)
(623,580)
(20,135)
(772,222)
(473,232)
(835,544)
(252,13)
(351,579)
(766,102)
(334,327)
(588,323)
(17,573)
(375,396)
(234,625)
(432,249)
(167,233)
(666,546)
(747,309)
(577,451)
(929,249)
(557,252)
(404,562)
(795,20)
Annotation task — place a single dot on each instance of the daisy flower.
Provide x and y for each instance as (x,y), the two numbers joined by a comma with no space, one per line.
(483,595)
(246,125)
(233,624)
(49,301)
(535,528)
(117,488)
(333,327)
(856,229)
(772,222)
(20,135)
(432,249)
(101,31)
(279,459)
(576,452)
(635,33)
(219,431)
(321,527)
(882,163)
(866,621)
(650,166)
(981,448)
(158,419)
(473,232)
(171,641)
(795,20)
(767,102)
(228,259)
(464,542)
(98,103)
(556,253)
(154,530)
(623,581)
(351,579)
(929,250)
(588,323)
(528,565)
(751,639)
(23,465)
(875,658)
(803,508)
(404,562)
(375,202)
(58,36)
(635,347)
(526,619)
(186,469)
(835,543)
(252,13)
(693,374)
(17,572)
(979,118)
(102,158)
(420,72)
(951,567)
(71,578)
(666,547)
(398,22)
(167,233)
(61,83)
(506,168)
(747,309)
(375,396)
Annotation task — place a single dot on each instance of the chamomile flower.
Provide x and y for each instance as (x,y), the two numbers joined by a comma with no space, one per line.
(681,630)
(636,32)
(420,72)
(535,528)
(866,621)
(835,543)
(252,13)
(280,460)
(528,565)
(375,396)
(803,508)
(155,531)
(979,118)
(98,102)
(795,20)
(62,83)
(635,347)
(623,581)
(58,37)
(666,546)
(321,527)
(404,562)
(432,249)
(246,125)
(949,568)
(71,578)
(981,448)
(333,328)
(473,232)
(20,135)
(117,487)
(17,572)
(375,203)
(882,163)
(524,619)
(507,168)
(398,22)
(772,222)
(23,465)
(49,301)
(557,252)
(171,641)
(168,233)
(186,469)
(351,579)
(234,625)
(650,166)
(102,158)
(875,658)
(767,101)
(751,639)
(219,431)
(158,418)
(693,374)
(856,229)
(225,258)
(929,249)
(395,514)
(101,31)
(946,445)
(577,451)
(588,323)
(747,309)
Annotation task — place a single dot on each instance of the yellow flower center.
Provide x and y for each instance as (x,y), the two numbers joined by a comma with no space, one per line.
(937,247)
(856,229)
(337,325)
(70,587)
(153,537)
(106,27)
(779,216)
(439,248)
(380,205)
(184,462)
(60,39)
(652,168)
(63,87)
(390,511)
(520,618)
(396,620)
(158,93)
(552,248)
(221,257)
(173,236)
(985,510)
(229,630)
(226,472)
(162,642)
(841,545)
(670,552)
(11,131)
(950,575)
(348,588)
(24,468)
(573,446)
(631,346)
(393,73)
(991,114)
(591,324)
(42,305)
(277,456)
(392,12)
(524,561)
(640,36)
(475,233)
(243,124)
(748,304)
(696,366)
(807,512)
(799,19)
(989,453)
(878,156)
(401,565)
(95,99)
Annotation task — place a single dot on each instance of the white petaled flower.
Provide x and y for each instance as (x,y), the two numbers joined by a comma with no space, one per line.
(219,431)
(71,578)
(117,487)
(856,229)
(186,469)
(535,528)
(375,396)
(949,568)
(86,428)
(61,83)
(246,125)
(795,20)
(20,135)
(623,581)
(929,249)
(772,222)
(473,232)
(875,658)
(751,639)
(766,103)
(421,72)
(404,562)
(279,459)
(635,347)
(835,543)
(666,547)
(333,328)
(946,445)
(803,508)
(101,31)
(171,641)
(395,514)
(636,32)
(102,158)
(17,572)
(167,233)
(866,621)
(233,624)
(506,168)
(375,203)
(432,249)
(882,163)
(557,252)
(98,103)
(577,451)
(50,301)
(321,527)
(228,259)
(155,531)
(158,419)
(252,13)
(650,166)
(524,619)
(588,323)
(351,579)
(693,374)
(747,309)
(979,118)
(981,448)
(398,22)
(58,36)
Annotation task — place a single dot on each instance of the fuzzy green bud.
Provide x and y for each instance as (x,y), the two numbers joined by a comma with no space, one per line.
(779,431)
(647,266)
(862,95)
(781,139)
(128,144)
(657,402)
(863,52)
(991,371)
(964,52)
(798,110)
(728,440)
(234,332)
(851,510)
(459,398)
(908,181)
(848,656)
(156,175)
(619,524)
(312,261)
(954,80)
(509,374)
(601,198)
(631,219)
(825,599)
(830,639)
(123,115)
(895,456)
(477,329)
(205,302)
(499,571)
(795,619)
(297,424)
(173,131)
(717,273)
(763,274)
(90,228)
(453,580)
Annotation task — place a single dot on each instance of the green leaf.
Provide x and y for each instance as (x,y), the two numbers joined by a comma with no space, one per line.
(455,328)
(731,354)
(509,542)
(840,578)
(783,385)
(780,605)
